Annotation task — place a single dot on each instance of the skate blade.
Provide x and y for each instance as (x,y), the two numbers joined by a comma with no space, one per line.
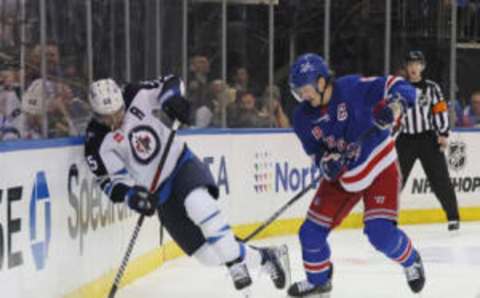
(247,292)
(284,258)
(323,295)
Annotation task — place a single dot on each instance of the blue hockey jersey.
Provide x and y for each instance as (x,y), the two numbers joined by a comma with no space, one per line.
(338,127)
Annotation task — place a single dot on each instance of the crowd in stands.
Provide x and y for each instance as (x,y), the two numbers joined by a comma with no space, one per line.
(57,107)
(48,108)
(468,115)
(239,103)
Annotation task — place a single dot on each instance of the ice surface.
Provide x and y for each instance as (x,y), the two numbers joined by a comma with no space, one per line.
(452,266)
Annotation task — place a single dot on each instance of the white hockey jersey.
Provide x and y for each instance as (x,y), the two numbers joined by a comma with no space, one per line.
(130,155)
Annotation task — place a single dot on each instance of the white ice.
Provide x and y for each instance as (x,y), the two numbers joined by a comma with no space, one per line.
(452,264)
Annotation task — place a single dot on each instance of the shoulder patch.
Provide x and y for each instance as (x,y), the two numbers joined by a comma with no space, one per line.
(118,137)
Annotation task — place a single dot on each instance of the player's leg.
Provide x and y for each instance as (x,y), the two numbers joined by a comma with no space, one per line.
(435,166)
(203,210)
(192,240)
(407,155)
(381,211)
(327,210)
(194,183)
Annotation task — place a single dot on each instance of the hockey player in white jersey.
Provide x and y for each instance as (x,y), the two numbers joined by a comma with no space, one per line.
(124,143)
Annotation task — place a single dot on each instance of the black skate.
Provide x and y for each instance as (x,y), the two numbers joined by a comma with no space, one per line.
(453,225)
(305,289)
(272,265)
(240,275)
(416,275)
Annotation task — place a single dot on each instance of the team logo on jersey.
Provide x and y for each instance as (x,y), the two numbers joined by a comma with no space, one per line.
(145,143)
(457,155)
(342,113)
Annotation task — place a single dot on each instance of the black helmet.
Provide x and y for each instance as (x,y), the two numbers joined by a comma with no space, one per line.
(415,55)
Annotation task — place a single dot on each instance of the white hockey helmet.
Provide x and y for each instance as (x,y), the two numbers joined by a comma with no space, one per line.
(105,97)
(37,93)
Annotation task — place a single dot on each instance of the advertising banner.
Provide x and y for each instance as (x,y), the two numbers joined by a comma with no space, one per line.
(59,232)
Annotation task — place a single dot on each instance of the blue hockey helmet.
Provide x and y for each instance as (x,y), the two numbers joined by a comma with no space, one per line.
(306,70)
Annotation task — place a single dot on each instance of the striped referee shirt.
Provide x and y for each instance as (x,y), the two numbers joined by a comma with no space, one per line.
(430,112)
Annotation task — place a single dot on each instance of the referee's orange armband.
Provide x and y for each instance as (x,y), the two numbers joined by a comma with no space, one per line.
(440,107)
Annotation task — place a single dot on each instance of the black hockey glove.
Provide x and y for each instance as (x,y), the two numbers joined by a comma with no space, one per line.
(177,107)
(141,200)
(172,98)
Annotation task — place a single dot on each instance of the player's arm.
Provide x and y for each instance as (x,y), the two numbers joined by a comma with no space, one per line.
(305,135)
(389,98)
(439,108)
(113,178)
(166,93)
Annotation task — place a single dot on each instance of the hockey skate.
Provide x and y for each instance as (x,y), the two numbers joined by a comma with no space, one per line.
(240,275)
(416,275)
(453,225)
(274,261)
(304,289)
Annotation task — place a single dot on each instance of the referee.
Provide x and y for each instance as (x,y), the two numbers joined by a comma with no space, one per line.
(424,136)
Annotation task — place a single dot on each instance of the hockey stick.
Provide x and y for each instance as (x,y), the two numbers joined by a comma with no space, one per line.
(126,257)
(299,195)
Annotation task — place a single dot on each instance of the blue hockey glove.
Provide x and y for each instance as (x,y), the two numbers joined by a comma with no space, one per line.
(332,166)
(141,200)
(387,111)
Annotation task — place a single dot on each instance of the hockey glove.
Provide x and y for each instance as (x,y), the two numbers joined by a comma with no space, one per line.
(387,112)
(177,108)
(172,99)
(141,200)
(332,166)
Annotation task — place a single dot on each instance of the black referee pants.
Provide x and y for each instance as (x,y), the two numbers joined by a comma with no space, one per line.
(424,146)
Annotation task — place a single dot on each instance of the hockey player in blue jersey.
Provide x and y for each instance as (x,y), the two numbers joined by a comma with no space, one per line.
(344,124)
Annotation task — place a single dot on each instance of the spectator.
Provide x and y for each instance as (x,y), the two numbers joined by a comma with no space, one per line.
(9,80)
(471,114)
(9,115)
(244,113)
(279,118)
(33,115)
(219,95)
(75,79)
(198,81)
(52,55)
(456,108)
(203,115)
(241,81)
(60,122)
(51,99)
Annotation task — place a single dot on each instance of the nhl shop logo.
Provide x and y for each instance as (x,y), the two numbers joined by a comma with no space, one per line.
(457,155)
